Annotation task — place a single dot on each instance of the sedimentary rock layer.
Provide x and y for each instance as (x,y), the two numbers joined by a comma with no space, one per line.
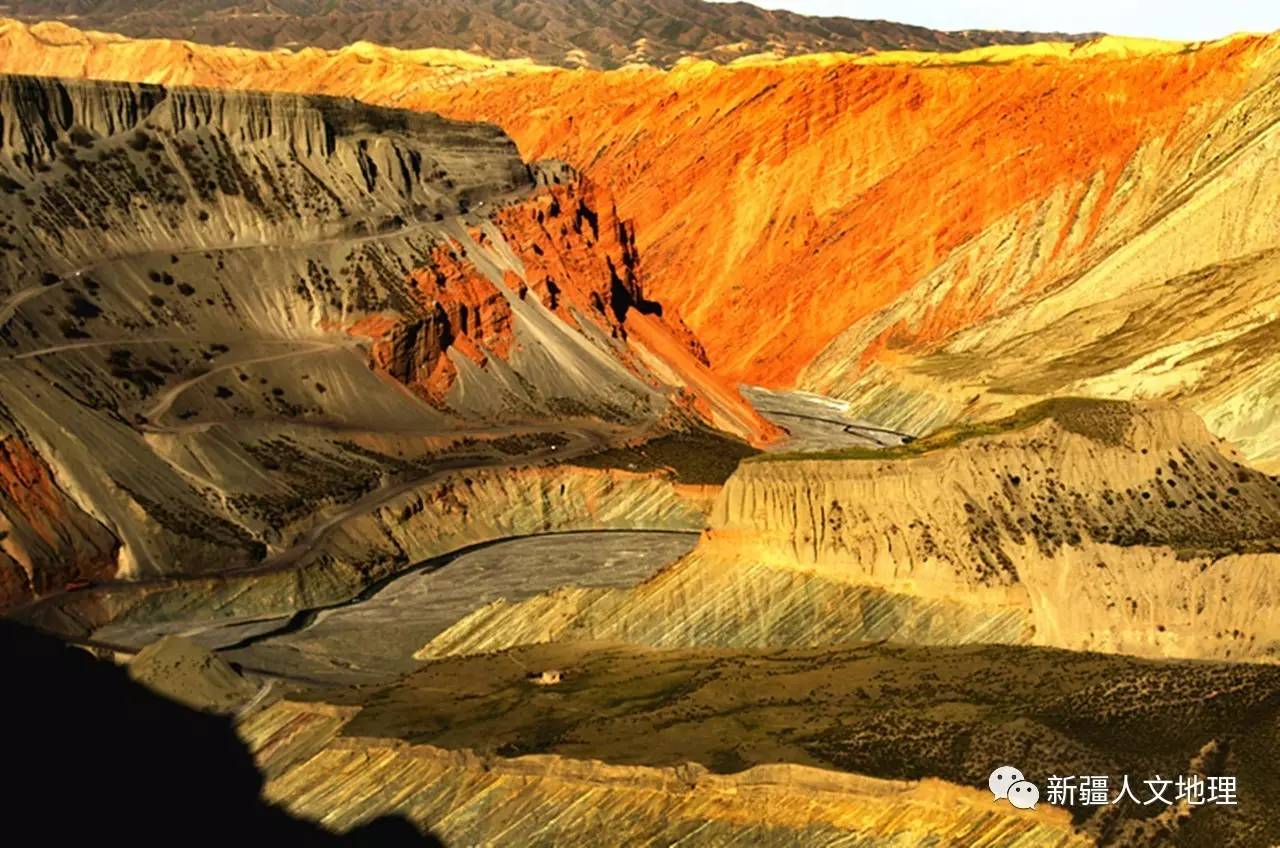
(887,726)
(539,800)
(593,33)
(707,600)
(1088,525)
(454,511)
(46,540)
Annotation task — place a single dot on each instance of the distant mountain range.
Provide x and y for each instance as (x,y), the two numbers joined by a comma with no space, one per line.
(594,33)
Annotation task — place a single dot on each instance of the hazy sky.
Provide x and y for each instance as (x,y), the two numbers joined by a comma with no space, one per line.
(1178,19)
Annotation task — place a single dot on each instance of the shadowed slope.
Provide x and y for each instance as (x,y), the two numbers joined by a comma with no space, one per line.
(897,717)
(228,317)
(547,800)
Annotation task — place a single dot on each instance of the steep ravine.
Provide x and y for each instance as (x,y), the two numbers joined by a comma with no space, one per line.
(936,237)
(231,316)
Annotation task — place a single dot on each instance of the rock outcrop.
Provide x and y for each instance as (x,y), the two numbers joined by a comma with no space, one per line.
(1088,525)
(46,540)
(838,186)
(712,601)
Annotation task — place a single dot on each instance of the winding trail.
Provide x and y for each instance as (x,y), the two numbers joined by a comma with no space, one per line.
(63,348)
(581,439)
(165,399)
(11,304)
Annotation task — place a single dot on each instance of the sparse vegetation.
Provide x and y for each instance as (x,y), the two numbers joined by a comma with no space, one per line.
(895,712)
(1104,421)
(694,457)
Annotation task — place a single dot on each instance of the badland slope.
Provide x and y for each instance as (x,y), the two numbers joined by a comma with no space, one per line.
(379,538)
(1088,525)
(876,728)
(475,797)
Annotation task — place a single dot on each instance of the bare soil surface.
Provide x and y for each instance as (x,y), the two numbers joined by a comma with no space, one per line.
(888,711)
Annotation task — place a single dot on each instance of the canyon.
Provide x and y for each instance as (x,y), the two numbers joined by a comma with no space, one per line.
(173,306)
(708,427)
(931,256)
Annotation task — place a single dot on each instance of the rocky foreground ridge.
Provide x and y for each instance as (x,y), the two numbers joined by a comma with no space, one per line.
(470,798)
(868,744)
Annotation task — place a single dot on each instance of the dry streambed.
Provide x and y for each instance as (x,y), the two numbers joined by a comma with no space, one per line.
(374,637)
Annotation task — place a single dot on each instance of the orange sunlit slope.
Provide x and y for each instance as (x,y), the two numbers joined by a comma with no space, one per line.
(777,203)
